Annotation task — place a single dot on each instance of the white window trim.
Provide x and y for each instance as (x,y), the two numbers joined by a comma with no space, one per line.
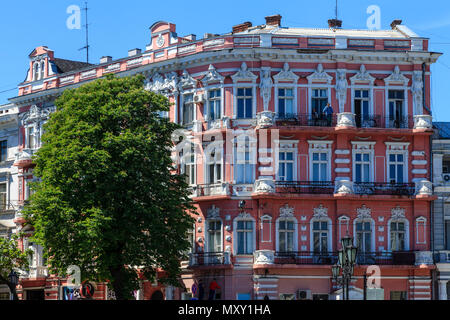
(286,146)
(406,222)
(237,86)
(253,142)
(269,224)
(320,146)
(343,221)
(222,101)
(286,85)
(187,92)
(363,87)
(318,86)
(364,147)
(405,104)
(423,220)
(372,229)
(398,148)
(243,217)
(330,233)
(277,235)
(216,146)
(207,244)
(182,163)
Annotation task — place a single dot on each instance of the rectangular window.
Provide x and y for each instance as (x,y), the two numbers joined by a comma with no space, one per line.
(188,109)
(244,103)
(397,236)
(361,103)
(245,237)
(31,138)
(285,103)
(214,104)
(320,166)
(396,168)
(364,237)
(320,236)
(4,150)
(286,236)
(245,167)
(319,101)
(3,198)
(215,236)
(396,111)
(188,167)
(362,166)
(215,167)
(286,166)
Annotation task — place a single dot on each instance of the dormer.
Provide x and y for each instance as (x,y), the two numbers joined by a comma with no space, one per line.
(163,35)
(39,64)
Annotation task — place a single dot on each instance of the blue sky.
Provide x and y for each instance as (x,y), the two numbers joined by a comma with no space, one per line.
(117,26)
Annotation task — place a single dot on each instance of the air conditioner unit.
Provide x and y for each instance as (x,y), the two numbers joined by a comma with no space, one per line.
(304,295)
(199,98)
(446,177)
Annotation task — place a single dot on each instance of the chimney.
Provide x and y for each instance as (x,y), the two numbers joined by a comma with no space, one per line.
(134,52)
(334,23)
(395,23)
(191,37)
(241,27)
(105,59)
(273,20)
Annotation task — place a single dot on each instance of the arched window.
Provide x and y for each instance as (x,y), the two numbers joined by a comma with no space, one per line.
(321,231)
(36,71)
(286,230)
(42,70)
(364,230)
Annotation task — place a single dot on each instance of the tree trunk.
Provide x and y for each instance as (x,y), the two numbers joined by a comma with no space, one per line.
(117,282)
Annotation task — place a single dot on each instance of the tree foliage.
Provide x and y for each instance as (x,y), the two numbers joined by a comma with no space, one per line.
(108,199)
(12,259)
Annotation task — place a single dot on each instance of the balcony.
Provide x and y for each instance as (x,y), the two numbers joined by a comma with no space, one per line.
(305,187)
(290,119)
(209,259)
(330,258)
(380,188)
(204,190)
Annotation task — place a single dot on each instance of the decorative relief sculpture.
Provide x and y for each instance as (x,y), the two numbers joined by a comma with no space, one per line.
(364,212)
(286,211)
(213,212)
(320,212)
(341,89)
(423,121)
(398,213)
(417,92)
(266,87)
(265,119)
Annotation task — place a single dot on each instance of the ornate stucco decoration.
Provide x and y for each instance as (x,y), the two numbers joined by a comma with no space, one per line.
(286,75)
(362,76)
(186,81)
(424,187)
(398,213)
(213,212)
(264,257)
(320,212)
(212,76)
(156,84)
(265,119)
(346,119)
(286,211)
(341,88)
(397,77)
(264,186)
(36,114)
(171,82)
(244,215)
(423,121)
(417,92)
(319,75)
(244,74)
(343,187)
(364,212)
(266,87)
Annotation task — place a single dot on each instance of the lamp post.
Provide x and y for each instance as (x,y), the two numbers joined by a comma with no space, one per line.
(347,260)
(13,280)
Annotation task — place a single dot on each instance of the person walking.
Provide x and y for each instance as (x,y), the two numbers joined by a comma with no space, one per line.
(328,113)
(213,286)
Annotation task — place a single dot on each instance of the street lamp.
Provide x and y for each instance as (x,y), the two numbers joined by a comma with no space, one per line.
(346,262)
(13,279)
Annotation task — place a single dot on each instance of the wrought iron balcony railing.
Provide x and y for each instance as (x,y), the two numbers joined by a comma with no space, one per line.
(330,258)
(380,188)
(324,187)
(209,259)
(291,119)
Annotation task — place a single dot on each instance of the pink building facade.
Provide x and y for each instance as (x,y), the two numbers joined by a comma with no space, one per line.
(277,178)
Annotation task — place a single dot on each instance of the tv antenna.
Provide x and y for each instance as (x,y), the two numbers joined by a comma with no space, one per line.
(86,47)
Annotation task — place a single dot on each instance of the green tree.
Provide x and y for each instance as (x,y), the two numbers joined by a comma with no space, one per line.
(12,259)
(109,200)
